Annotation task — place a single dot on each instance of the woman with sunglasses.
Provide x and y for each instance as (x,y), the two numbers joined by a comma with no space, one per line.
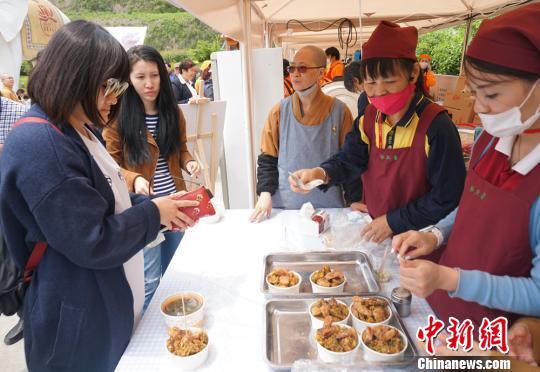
(149,142)
(64,206)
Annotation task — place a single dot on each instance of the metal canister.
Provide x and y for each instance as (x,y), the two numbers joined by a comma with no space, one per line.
(402,298)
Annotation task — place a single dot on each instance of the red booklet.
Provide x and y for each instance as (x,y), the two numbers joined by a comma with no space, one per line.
(205,207)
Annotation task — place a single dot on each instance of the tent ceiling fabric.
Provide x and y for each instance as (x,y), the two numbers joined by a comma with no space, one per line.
(224,16)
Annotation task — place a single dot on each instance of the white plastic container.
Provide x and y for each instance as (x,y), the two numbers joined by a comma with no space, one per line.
(371,355)
(317,323)
(188,363)
(285,290)
(194,319)
(330,290)
(329,356)
(360,325)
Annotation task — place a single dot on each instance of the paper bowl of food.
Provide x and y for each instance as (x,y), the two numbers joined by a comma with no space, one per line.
(187,348)
(383,343)
(336,343)
(369,311)
(320,309)
(327,280)
(283,281)
(183,310)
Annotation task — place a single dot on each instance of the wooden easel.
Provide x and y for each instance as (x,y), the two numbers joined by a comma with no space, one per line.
(208,169)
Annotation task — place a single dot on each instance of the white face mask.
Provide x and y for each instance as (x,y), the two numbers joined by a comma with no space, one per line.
(508,123)
(307,91)
(423,65)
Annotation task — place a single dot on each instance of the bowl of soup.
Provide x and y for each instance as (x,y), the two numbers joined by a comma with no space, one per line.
(183,310)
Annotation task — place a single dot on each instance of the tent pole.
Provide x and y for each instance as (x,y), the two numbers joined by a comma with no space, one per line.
(247,87)
(465,42)
(360,22)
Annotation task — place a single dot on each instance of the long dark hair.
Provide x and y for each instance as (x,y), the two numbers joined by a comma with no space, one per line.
(384,67)
(79,58)
(132,120)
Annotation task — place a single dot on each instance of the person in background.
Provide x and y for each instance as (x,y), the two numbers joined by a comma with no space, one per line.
(152,163)
(352,80)
(403,139)
(287,84)
(182,83)
(10,112)
(353,83)
(429,77)
(170,70)
(61,193)
(206,83)
(301,130)
(23,97)
(7,91)
(200,70)
(334,66)
(489,247)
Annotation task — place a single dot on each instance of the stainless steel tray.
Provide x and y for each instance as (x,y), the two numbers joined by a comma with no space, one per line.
(355,265)
(289,336)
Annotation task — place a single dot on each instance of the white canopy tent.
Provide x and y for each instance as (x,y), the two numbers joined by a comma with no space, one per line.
(266,23)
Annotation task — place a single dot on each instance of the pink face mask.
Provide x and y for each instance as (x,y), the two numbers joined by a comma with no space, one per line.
(392,103)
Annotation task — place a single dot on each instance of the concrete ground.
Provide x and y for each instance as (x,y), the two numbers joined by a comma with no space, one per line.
(11,357)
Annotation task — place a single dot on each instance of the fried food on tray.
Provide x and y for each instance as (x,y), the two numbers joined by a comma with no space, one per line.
(335,337)
(370,309)
(383,339)
(282,278)
(327,277)
(323,308)
(185,343)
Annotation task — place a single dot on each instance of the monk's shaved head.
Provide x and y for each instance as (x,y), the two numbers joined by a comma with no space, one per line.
(314,54)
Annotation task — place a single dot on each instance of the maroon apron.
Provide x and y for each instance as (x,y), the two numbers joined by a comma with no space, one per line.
(490,234)
(395,177)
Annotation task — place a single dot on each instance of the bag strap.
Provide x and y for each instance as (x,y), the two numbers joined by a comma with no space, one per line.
(36,119)
(39,248)
(33,261)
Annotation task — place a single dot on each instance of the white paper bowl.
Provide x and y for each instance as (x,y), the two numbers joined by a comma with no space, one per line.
(187,363)
(360,325)
(331,290)
(285,290)
(317,323)
(371,355)
(194,319)
(336,357)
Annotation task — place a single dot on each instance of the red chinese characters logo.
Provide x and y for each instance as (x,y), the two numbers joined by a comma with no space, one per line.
(494,334)
(491,334)
(428,333)
(460,335)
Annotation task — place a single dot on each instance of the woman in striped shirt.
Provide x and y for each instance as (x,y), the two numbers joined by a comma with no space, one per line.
(149,142)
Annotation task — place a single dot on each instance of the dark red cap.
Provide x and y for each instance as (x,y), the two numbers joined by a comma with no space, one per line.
(389,40)
(510,40)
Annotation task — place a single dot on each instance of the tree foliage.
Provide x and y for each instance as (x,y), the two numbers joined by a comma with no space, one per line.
(445,46)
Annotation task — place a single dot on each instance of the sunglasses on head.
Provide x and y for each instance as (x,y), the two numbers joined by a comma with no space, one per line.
(301,69)
(115,87)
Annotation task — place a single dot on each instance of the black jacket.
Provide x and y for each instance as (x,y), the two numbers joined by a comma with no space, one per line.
(182,94)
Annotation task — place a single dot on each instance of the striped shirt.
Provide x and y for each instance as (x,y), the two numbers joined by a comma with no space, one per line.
(163,183)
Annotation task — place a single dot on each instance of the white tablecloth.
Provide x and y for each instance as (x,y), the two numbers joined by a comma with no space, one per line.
(224,262)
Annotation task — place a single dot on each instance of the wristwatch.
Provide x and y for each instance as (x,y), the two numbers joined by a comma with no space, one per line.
(438,234)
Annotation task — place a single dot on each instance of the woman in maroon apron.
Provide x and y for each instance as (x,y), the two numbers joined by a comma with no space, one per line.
(405,146)
(490,266)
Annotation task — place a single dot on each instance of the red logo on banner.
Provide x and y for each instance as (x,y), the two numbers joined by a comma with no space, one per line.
(460,335)
(494,334)
(428,333)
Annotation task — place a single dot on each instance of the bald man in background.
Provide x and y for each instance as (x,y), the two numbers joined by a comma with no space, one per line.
(302,129)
